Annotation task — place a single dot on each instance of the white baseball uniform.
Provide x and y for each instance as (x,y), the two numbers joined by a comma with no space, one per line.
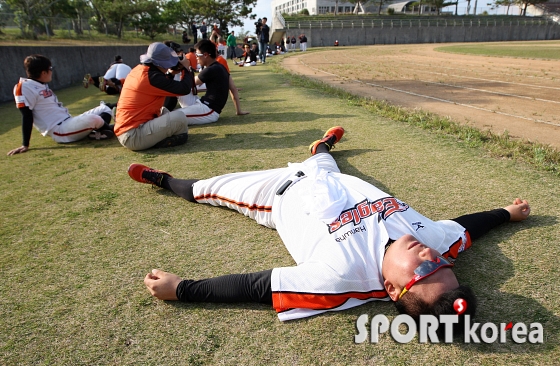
(51,118)
(335,226)
(117,71)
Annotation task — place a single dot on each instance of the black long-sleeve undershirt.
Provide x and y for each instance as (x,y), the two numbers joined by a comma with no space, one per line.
(256,287)
(26,125)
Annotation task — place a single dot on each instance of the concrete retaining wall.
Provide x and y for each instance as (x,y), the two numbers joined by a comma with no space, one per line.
(71,63)
(402,33)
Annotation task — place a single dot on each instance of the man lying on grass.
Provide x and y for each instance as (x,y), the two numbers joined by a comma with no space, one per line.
(352,243)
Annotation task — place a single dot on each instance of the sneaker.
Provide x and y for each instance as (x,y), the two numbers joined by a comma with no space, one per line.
(144,174)
(101,84)
(171,141)
(331,137)
(86,80)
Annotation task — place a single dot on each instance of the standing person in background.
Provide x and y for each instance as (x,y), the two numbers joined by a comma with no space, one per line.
(293,43)
(203,30)
(264,38)
(303,42)
(216,34)
(194,30)
(231,43)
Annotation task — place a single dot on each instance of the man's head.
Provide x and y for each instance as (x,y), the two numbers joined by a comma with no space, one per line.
(205,52)
(434,288)
(160,55)
(118,59)
(264,20)
(38,67)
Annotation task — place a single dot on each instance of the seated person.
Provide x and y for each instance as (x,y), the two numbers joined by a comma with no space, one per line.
(191,56)
(249,57)
(221,59)
(207,108)
(269,51)
(140,123)
(113,80)
(40,107)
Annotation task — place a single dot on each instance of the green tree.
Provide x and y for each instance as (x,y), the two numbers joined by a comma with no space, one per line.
(523,4)
(225,12)
(507,3)
(30,15)
(151,19)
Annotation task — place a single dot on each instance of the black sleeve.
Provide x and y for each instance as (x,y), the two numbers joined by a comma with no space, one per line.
(248,287)
(26,125)
(159,80)
(478,224)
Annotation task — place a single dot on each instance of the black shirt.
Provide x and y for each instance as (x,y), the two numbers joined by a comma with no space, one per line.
(216,79)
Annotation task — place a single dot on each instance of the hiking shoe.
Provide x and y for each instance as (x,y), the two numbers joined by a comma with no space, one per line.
(171,141)
(144,174)
(331,137)
(86,81)
(101,84)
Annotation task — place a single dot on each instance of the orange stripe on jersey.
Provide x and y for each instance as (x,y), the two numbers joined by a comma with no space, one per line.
(282,301)
(72,133)
(18,93)
(454,249)
(249,206)
(200,115)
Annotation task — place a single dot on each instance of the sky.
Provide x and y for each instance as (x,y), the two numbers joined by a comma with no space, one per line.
(262,9)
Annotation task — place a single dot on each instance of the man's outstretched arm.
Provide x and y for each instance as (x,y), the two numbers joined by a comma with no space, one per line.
(480,223)
(26,128)
(247,287)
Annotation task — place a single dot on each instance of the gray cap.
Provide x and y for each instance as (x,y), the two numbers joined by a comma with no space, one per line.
(160,55)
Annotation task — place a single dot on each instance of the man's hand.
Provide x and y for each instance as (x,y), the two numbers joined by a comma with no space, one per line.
(242,113)
(162,285)
(519,210)
(19,150)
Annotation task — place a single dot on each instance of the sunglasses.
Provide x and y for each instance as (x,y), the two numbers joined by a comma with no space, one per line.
(51,68)
(426,269)
(199,54)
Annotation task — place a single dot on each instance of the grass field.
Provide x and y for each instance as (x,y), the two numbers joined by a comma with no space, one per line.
(78,236)
(544,49)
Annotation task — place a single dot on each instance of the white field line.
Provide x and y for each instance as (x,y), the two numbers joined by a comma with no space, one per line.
(433,98)
(475,78)
(490,72)
(488,91)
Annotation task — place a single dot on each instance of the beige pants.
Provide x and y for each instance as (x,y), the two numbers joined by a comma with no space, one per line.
(150,133)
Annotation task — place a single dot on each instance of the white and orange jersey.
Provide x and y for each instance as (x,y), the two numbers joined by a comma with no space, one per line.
(47,110)
(334,226)
(339,264)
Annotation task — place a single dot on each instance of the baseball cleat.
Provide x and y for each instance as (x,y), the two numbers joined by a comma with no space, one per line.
(144,174)
(331,137)
(86,81)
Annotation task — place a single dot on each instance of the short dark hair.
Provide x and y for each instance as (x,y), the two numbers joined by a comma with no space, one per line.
(191,49)
(264,18)
(207,46)
(118,58)
(35,65)
(414,306)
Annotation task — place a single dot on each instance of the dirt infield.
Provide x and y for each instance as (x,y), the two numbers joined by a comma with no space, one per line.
(520,96)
